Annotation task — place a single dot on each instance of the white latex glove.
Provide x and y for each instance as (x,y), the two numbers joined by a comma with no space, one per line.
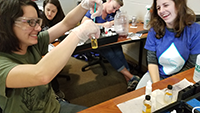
(89,4)
(86,30)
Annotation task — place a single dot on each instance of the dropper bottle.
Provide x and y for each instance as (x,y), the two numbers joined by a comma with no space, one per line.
(168,94)
(147,104)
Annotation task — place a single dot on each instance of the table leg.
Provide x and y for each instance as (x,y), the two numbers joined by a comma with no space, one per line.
(140,55)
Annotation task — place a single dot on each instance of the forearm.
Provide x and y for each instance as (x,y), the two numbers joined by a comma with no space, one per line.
(112,22)
(57,58)
(107,24)
(74,16)
(28,75)
(70,21)
(153,66)
(154,73)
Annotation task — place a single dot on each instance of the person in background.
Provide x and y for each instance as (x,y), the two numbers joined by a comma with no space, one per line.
(24,73)
(173,40)
(109,10)
(115,54)
(51,15)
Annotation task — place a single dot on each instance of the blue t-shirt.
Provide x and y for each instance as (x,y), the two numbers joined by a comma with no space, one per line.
(99,19)
(171,52)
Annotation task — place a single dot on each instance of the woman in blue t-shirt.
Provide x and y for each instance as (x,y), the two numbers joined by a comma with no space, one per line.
(115,54)
(173,41)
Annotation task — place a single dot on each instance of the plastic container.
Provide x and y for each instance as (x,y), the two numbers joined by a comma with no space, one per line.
(121,23)
(196,76)
(168,94)
(148,88)
(147,104)
(147,18)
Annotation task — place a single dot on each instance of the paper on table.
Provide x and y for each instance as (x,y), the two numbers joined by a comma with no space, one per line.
(133,26)
(134,36)
(135,105)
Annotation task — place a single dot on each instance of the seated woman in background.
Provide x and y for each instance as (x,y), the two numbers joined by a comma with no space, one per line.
(51,15)
(115,54)
(173,41)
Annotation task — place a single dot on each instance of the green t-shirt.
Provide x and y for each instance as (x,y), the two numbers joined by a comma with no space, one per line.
(39,99)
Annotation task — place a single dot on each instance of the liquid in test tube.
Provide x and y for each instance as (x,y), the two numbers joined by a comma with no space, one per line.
(94,43)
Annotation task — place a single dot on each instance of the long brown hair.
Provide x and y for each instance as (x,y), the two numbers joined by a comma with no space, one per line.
(185,17)
(58,17)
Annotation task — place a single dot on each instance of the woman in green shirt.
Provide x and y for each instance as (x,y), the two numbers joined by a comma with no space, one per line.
(24,74)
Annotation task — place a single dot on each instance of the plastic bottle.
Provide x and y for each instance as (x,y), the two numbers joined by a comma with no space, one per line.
(196,76)
(146,18)
(148,88)
(147,104)
(121,23)
(168,94)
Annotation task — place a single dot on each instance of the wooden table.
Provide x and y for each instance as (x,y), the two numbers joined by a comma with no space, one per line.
(110,106)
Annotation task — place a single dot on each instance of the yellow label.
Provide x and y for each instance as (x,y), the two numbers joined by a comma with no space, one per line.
(146,108)
(167,93)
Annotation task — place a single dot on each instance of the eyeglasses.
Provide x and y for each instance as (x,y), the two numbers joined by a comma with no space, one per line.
(31,21)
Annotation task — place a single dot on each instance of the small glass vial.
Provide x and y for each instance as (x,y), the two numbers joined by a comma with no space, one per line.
(147,104)
(168,94)
(134,21)
(94,43)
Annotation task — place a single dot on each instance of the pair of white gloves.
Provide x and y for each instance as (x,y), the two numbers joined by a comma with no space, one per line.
(89,28)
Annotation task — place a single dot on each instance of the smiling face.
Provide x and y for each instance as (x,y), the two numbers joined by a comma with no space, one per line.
(50,11)
(26,34)
(167,11)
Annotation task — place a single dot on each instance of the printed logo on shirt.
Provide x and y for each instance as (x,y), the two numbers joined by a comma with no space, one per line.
(110,17)
(171,60)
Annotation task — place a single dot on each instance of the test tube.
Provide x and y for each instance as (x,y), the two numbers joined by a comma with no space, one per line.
(94,43)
